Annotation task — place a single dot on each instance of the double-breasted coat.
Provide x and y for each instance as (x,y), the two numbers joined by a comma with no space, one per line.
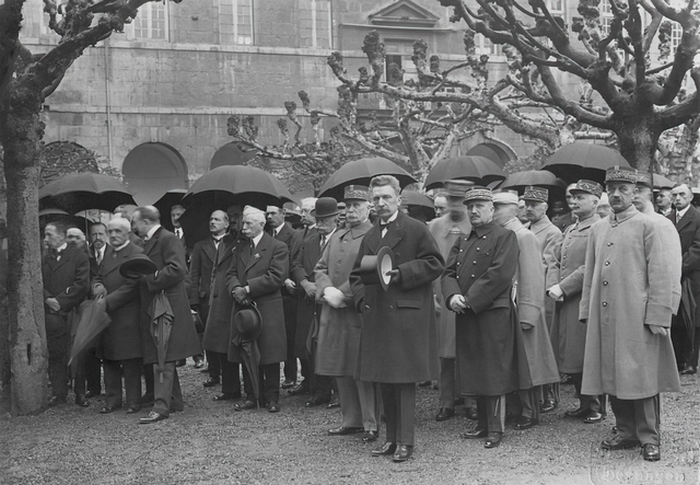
(566,269)
(627,285)
(168,254)
(121,340)
(264,270)
(398,341)
(339,328)
(491,359)
(530,293)
(548,237)
(303,269)
(446,232)
(219,299)
(688,228)
(68,279)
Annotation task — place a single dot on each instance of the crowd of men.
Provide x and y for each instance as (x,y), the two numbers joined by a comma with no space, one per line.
(490,299)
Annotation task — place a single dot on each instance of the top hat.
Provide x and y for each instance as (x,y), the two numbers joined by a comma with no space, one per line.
(325,207)
(248,323)
(588,187)
(536,194)
(505,197)
(617,173)
(137,265)
(457,187)
(478,193)
(374,268)
(644,179)
(356,192)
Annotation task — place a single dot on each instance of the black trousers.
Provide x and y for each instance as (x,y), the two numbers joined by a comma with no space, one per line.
(130,370)
(400,411)
(58,343)
(88,373)
(289,304)
(268,383)
(230,372)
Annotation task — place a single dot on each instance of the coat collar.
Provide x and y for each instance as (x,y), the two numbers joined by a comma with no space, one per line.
(259,252)
(540,225)
(484,229)
(687,217)
(148,247)
(620,217)
(586,223)
(357,231)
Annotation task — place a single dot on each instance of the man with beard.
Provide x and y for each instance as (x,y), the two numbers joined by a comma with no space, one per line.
(452,225)
(477,284)
(627,303)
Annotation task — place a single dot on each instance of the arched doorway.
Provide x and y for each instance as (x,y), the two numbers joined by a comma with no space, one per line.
(230,154)
(495,152)
(152,169)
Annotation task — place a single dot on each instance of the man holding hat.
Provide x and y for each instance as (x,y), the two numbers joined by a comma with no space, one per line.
(397,338)
(339,326)
(446,229)
(477,284)
(302,272)
(548,236)
(529,284)
(256,274)
(564,284)
(627,302)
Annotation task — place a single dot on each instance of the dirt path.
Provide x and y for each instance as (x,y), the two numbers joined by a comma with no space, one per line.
(209,443)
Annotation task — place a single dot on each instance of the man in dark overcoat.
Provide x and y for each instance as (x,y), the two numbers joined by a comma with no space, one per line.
(120,346)
(256,274)
(687,221)
(477,285)
(168,254)
(284,232)
(398,341)
(302,272)
(66,277)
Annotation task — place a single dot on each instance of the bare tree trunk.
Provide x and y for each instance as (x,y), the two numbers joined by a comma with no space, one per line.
(638,137)
(21,138)
(4,320)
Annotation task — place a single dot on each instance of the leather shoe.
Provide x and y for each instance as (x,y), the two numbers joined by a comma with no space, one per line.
(109,409)
(524,422)
(370,436)
(244,406)
(617,442)
(55,401)
(198,364)
(403,453)
(493,440)
(133,409)
(578,413)
(91,394)
(335,402)
(344,430)
(388,448)
(689,370)
(81,401)
(594,417)
(547,406)
(226,397)
(288,384)
(651,452)
(475,434)
(472,414)
(445,414)
(152,417)
(273,407)
(211,382)
(317,401)
(299,390)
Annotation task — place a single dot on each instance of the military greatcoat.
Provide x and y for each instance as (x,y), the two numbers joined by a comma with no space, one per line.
(627,284)
(339,330)
(566,270)
(491,358)
(398,339)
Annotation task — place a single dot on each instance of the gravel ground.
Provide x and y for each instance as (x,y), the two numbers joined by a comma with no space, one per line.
(210,443)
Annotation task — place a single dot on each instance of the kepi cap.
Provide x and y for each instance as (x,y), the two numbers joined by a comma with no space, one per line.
(617,173)
(356,192)
(505,197)
(457,187)
(536,194)
(589,187)
(644,179)
(478,193)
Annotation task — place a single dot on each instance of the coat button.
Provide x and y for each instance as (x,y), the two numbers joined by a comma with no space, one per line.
(477,249)
(216,295)
(366,307)
(607,263)
(475,262)
(473,276)
(610,244)
(605,303)
(461,250)
(564,257)
(483,237)
(458,263)
(605,283)
(391,308)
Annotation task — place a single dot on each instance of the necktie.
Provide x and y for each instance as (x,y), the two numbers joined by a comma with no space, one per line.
(216,242)
(56,254)
(98,257)
(385,227)
(323,241)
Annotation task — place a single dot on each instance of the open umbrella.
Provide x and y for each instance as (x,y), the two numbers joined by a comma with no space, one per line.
(580,160)
(478,169)
(165,203)
(224,186)
(540,178)
(162,317)
(93,319)
(360,172)
(661,182)
(79,191)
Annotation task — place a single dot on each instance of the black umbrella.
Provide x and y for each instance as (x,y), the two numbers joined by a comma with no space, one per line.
(80,191)
(538,178)
(661,182)
(93,320)
(479,170)
(360,172)
(165,203)
(581,160)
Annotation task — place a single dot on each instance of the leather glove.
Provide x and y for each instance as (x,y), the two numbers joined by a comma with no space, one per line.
(458,304)
(334,297)
(99,290)
(556,293)
(395,276)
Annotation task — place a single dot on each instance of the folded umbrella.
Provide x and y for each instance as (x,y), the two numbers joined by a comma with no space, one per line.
(162,317)
(246,327)
(93,320)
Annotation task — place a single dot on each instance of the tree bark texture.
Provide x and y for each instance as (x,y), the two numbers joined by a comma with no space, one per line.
(21,136)
(4,320)
(638,134)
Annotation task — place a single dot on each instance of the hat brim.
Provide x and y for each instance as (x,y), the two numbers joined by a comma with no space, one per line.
(245,336)
(374,268)
(137,267)
(323,216)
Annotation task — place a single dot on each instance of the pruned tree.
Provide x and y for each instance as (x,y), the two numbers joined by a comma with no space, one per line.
(639,92)
(26,80)
(64,157)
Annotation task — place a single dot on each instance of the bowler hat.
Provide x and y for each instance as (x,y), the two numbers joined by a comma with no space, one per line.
(536,194)
(137,265)
(248,323)
(325,207)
